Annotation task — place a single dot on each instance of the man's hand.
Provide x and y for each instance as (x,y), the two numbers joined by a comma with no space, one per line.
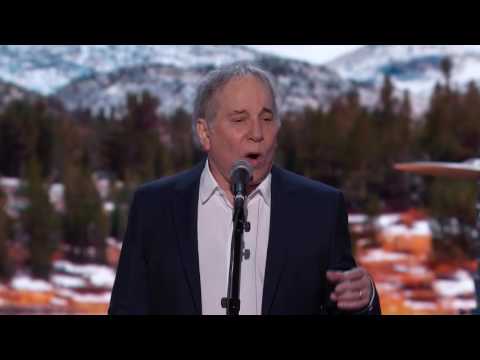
(353,289)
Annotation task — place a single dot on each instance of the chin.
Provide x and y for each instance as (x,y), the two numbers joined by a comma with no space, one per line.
(259,176)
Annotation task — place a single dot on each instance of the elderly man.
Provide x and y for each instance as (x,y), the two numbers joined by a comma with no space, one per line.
(175,255)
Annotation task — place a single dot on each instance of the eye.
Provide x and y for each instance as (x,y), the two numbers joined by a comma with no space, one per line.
(268,118)
(238,120)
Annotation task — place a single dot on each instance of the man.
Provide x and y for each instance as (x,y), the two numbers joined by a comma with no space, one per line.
(175,255)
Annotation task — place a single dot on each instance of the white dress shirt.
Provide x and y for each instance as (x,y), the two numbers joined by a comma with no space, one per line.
(214,239)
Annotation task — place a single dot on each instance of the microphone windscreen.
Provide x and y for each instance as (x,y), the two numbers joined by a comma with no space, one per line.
(242,164)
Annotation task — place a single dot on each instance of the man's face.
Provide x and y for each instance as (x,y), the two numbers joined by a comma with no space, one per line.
(244,127)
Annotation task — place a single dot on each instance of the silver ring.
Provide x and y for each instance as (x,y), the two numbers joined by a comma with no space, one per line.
(360,294)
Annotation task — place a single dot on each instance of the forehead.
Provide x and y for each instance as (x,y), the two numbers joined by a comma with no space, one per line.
(244,91)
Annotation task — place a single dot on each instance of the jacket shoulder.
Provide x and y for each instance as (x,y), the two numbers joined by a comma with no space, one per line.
(166,187)
(302,184)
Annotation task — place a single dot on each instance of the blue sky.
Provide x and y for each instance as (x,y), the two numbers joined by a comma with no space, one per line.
(317,54)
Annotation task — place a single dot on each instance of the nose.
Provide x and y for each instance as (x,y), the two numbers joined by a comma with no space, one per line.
(256,131)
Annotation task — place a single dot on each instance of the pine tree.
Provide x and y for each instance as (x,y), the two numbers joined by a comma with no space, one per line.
(443,122)
(387,99)
(318,151)
(114,149)
(288,145)
(26,130)
(470,134)
(182,150)
(45,143)
(40,222)
(345,111)
(5,266)
(446,66)
(385,121)
(359,163)
(403,140)
(122,199)
(131,147)
(11,156)
(85,222)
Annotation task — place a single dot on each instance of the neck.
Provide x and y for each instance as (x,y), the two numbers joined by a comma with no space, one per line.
(225,183)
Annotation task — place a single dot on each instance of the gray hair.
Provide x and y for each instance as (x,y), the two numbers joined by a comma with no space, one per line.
(216,79)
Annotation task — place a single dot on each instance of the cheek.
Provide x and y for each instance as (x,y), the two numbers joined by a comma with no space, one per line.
(223,146)
(272,143)
(228,140)
(225,149)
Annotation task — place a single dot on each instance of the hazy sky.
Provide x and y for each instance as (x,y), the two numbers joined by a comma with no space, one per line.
(317,54)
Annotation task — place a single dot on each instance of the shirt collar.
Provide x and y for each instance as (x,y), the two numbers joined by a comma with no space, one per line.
(208,187)
(208,184)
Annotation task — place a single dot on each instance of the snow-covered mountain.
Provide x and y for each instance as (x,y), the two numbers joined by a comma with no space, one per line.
(100,76)
(10,92)
(299,85)
(46,68)
(412,67)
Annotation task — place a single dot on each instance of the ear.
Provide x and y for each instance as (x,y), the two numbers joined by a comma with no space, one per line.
(203,133)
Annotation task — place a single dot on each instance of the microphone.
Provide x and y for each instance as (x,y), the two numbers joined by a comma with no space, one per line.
(240,177)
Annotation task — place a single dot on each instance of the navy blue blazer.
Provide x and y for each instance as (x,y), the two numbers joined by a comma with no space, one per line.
(158,270)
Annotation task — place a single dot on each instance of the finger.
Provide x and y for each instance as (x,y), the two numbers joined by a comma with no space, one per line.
(352,305)
(335,276)
(351,285)
(351,296)
(355,286)
(354,274)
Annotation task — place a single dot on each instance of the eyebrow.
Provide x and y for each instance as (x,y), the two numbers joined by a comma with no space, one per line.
(238,112)
(266,110)
(245,112)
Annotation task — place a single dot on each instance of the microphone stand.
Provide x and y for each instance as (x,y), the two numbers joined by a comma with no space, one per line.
(232,301)
(476,276)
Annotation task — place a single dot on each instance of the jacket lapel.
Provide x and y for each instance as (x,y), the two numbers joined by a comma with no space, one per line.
(185,212)
(280,235)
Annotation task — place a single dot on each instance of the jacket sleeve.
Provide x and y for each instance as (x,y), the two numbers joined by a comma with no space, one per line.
(130,289)
(341,258)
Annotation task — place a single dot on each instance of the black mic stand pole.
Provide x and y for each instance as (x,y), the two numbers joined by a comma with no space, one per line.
(232,301)
(476,276)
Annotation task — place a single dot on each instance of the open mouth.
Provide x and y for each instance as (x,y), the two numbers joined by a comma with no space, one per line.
(253,156)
